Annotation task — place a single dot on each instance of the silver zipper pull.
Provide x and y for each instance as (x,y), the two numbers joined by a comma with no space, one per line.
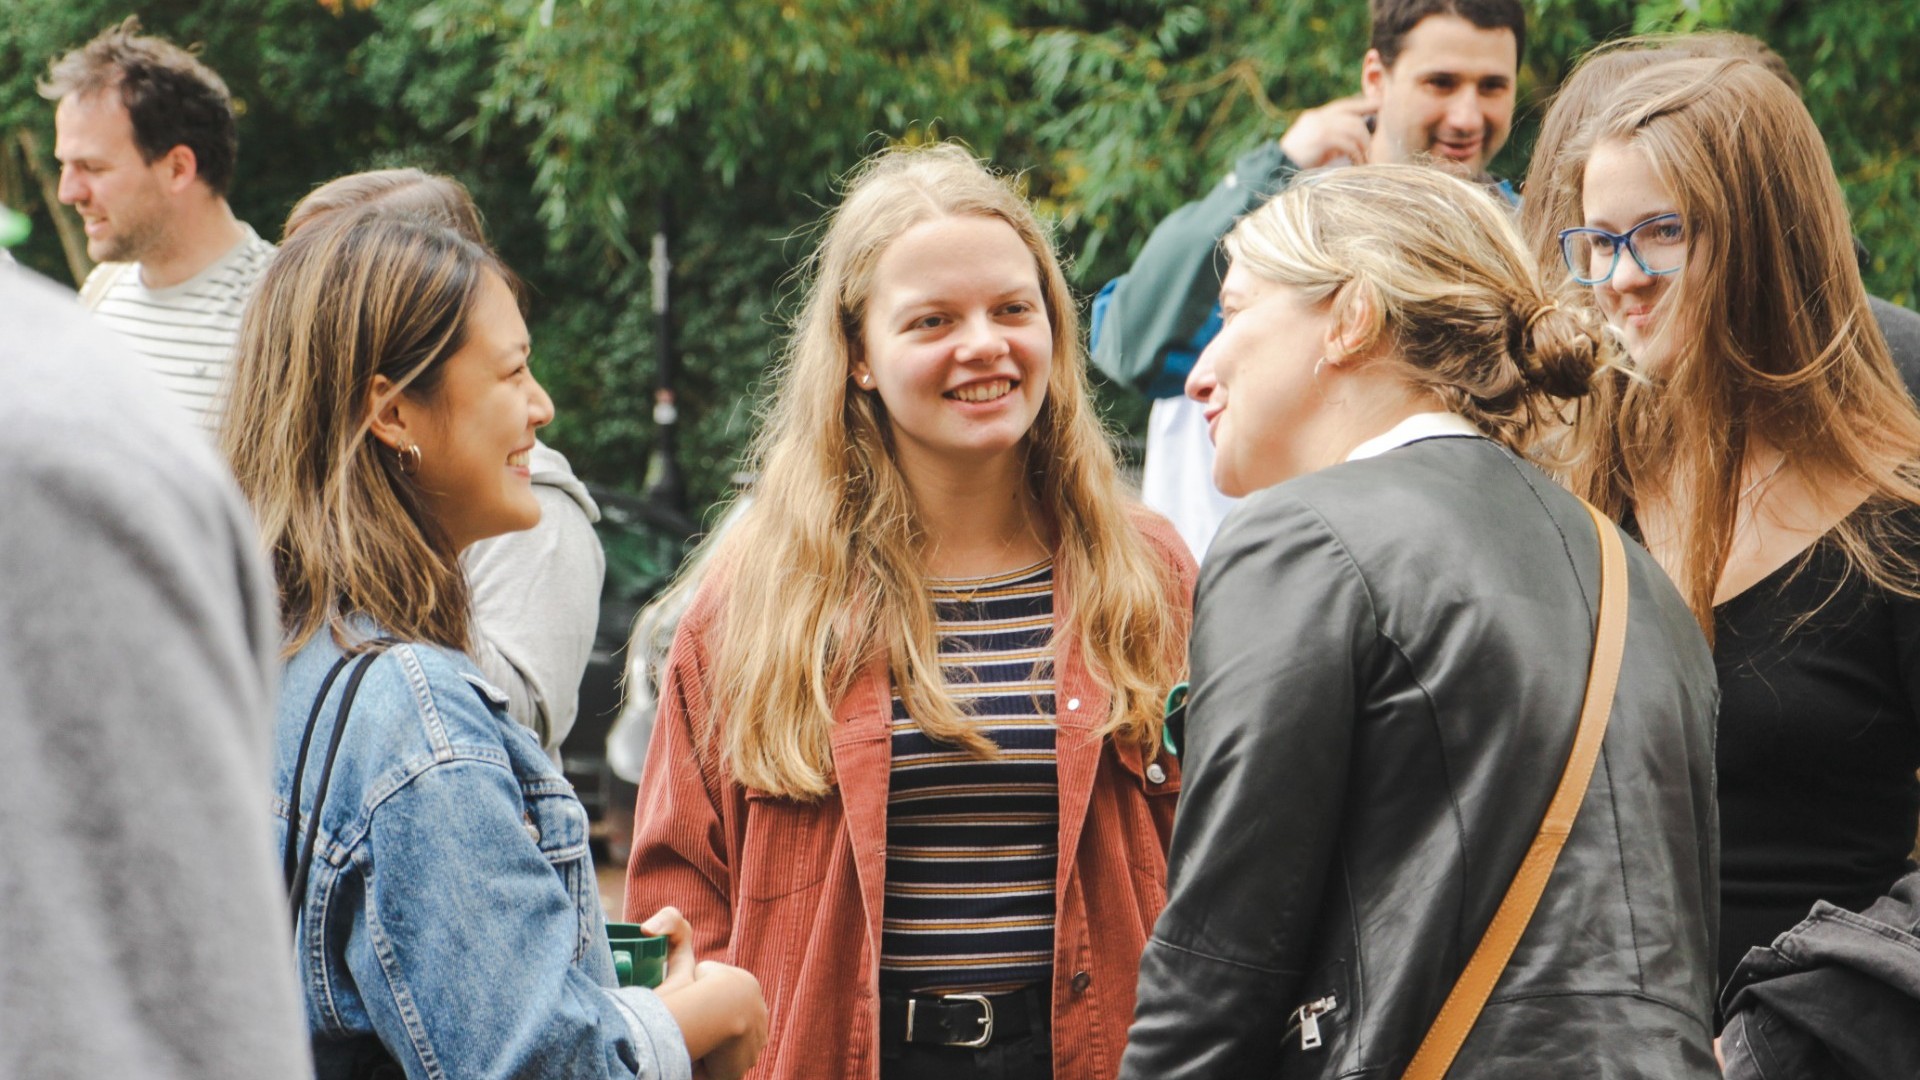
(1309,1021)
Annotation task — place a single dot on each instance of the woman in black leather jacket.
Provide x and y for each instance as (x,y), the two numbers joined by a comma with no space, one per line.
(1391,643)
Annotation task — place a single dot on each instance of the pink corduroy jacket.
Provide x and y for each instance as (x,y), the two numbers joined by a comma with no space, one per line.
(792,891)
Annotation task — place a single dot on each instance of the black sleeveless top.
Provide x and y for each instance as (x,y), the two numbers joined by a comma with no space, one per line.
(1819,738)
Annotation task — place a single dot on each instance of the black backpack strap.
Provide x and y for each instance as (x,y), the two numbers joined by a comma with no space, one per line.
(292,847)
(300,861)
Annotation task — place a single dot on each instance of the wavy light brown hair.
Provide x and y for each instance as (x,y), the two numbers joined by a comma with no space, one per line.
(827,565)
(362,294)
(1775,339)
(409,193)
(1432,271)
(1552,200)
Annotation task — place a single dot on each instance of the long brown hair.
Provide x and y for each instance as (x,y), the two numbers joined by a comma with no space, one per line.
(1552,198)
(1775,339)
(406,192)
(361,294)
(827,564)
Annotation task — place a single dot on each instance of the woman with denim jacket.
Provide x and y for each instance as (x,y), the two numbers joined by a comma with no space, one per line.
(904,763)
(447,921)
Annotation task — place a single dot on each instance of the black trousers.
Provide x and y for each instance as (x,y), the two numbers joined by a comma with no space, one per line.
(1029,1057)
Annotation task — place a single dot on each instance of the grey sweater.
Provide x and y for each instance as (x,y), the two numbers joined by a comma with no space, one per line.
(536,602)
(143,931)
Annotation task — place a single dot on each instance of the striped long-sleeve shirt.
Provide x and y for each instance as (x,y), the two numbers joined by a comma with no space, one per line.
(972,844)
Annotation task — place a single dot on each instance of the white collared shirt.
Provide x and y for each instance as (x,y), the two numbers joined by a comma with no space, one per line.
(1426,425)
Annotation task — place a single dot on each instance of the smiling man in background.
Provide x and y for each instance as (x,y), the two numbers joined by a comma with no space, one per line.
(1437,87)
(1439,80)
(146,139)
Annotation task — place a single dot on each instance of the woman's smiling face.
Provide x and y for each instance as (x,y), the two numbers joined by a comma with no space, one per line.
(956,341)
(476,428)
(1621,190)
(1256,380)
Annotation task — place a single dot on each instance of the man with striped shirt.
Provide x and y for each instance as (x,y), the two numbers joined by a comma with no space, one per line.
(146,140)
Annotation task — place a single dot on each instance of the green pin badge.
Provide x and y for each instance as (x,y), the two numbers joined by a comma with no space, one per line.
(1173,731)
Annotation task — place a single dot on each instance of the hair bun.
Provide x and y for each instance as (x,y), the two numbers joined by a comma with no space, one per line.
(1562,350)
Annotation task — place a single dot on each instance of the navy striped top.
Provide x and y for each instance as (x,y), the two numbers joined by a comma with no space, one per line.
(973,845)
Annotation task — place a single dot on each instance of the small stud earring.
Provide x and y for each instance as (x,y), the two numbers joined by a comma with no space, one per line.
(866,380)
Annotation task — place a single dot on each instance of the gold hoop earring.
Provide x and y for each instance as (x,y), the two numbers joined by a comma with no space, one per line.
(1317,365)
(408,457)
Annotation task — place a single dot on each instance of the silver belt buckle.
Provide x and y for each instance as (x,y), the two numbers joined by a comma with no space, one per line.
(986,1020)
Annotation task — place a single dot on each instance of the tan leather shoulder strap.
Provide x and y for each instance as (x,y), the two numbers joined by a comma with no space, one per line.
(95,288)
(1470,993)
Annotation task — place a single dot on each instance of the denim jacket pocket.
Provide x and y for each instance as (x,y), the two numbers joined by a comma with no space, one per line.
(555,820)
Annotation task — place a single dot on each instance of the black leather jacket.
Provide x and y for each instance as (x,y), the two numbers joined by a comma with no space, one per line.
(1388,662)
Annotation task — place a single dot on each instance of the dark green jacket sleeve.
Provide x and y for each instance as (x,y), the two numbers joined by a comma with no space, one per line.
(1171,289)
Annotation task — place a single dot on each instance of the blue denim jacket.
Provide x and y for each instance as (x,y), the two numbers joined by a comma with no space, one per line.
(451,919)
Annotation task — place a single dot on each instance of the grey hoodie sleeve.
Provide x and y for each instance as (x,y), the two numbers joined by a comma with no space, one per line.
(536,602)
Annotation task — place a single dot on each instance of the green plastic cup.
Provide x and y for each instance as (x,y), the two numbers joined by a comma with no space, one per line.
(639,958)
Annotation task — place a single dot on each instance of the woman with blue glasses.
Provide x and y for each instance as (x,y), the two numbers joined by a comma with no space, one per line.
(1658,246)
(1764,448)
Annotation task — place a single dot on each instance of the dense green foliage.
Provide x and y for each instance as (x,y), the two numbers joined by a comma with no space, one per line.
(572,118)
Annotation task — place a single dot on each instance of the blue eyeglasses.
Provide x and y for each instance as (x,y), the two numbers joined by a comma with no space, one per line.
(1658,246)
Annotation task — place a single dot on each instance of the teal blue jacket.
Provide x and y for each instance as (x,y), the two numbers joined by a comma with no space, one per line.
(1150,324)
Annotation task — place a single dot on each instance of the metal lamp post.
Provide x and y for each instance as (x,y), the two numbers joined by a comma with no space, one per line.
(664,484)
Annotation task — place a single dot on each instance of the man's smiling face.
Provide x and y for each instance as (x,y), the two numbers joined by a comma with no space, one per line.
(121,196)
(1448,97)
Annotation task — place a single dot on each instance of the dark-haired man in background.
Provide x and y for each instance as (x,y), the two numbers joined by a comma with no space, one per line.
(146,139)
(1437,86)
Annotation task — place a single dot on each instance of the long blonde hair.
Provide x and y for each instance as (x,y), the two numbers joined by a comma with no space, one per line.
(827,566)
(361,294)
(1432,269)
(1776,340)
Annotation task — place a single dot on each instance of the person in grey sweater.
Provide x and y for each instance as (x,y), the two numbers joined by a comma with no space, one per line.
(142,926)
(536,602)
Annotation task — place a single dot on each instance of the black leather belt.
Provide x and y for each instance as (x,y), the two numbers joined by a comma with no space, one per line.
(966,1020)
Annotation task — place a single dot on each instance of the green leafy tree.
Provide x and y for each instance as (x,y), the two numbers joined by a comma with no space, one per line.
(576,122)
(307,109)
